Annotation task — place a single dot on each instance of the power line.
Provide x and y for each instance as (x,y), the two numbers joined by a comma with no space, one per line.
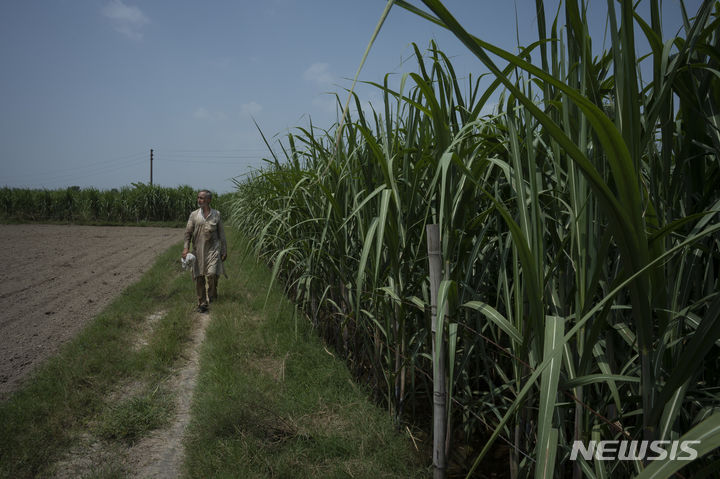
(90,172)
(62,171)
(206,157)
(208,162)
(216,157)
(216,151)
(102,171)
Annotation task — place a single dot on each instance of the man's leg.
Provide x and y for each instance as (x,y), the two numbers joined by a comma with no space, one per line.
(212,281)
(201,293)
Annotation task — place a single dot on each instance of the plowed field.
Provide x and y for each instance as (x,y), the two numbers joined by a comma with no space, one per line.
(55,278)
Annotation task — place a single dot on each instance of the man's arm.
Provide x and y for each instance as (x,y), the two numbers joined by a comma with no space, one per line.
(189,229)
(221,235)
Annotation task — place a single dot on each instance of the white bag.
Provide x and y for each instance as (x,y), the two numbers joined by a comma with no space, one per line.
(188,261)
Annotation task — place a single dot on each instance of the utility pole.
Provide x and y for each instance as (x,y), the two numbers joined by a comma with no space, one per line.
(151,158)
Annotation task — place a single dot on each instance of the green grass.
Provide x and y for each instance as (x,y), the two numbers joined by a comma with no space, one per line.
(272,401)
(69,392)
(132,418)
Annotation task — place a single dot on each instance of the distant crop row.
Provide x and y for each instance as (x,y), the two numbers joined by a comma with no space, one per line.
(130,204)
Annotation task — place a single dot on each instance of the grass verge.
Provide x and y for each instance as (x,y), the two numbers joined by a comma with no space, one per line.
(271,401)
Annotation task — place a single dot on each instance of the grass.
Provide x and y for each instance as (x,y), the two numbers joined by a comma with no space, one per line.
(132,418)
(272,401)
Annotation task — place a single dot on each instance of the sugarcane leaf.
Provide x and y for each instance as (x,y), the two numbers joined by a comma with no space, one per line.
(547,434)
(493,315)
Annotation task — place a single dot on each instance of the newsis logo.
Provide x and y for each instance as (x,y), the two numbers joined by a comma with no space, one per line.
(635,450)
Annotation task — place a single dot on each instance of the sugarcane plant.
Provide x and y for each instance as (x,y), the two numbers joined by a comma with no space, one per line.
(578,231)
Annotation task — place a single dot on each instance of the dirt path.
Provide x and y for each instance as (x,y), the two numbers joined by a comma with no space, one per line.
(55,278)
(161,454)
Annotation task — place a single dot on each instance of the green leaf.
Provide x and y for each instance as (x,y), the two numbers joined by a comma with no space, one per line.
(547,434)
(493,315)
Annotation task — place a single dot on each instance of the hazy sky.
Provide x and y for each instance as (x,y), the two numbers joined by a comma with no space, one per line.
(88,87)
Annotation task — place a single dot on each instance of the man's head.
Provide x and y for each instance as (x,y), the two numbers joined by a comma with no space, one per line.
(204,197)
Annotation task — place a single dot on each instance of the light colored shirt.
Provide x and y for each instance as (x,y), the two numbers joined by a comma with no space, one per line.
(207,236)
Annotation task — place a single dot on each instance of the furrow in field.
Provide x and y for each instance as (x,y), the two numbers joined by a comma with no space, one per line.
(57,277)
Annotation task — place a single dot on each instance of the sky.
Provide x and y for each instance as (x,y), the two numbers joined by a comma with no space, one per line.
(89,87)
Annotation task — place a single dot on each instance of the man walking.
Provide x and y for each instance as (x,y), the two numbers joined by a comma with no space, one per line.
(206,233)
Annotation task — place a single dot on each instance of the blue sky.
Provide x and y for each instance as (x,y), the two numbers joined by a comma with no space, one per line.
(88,87)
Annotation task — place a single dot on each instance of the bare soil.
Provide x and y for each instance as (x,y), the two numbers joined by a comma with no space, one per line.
(56,278)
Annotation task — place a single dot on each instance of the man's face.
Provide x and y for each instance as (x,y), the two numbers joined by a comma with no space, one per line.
(203,199)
